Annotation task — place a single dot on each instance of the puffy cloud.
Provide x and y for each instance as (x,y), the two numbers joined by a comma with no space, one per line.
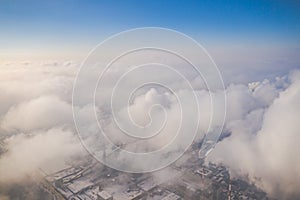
(35,118)
(21,82)
(27,153)
(262,117)
(40,113)
(264,145)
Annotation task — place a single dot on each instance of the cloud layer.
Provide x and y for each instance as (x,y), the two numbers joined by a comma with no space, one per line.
(37,128)
(264,143)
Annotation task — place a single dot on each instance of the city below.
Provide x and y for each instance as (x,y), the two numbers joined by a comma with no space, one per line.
(187,178)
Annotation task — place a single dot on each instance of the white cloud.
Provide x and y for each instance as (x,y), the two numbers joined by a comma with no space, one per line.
(268,156)
(27,153)
(41,113)
(262,117)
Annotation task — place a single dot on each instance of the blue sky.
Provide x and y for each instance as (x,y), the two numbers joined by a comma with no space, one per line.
(64,28)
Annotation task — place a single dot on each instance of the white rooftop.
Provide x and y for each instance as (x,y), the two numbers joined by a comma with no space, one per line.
(79,185)
(104,195)
(171,196)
